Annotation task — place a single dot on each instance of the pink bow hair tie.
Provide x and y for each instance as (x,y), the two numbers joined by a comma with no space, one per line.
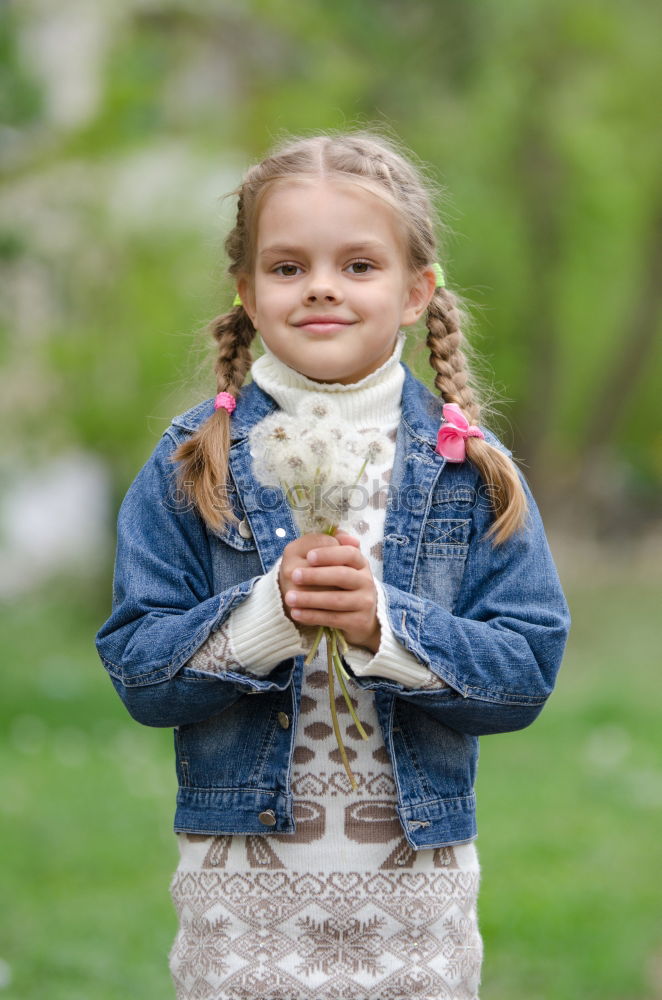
(454,432)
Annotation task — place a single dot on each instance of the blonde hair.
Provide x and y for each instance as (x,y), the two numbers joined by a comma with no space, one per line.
(373,162)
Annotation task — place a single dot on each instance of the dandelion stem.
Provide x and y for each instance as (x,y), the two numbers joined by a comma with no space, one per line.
(361,471)
(334,714)
(340,673)
(342,641)
(313,648)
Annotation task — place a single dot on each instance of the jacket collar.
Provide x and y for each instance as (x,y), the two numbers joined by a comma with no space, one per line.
(421,411)
(252,406)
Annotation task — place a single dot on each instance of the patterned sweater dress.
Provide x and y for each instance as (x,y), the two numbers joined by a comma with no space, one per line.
(344,908)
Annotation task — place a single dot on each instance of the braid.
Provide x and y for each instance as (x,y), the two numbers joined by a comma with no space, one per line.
(203,458)
(202,471)
(233,333)
(454,382)
(446,341)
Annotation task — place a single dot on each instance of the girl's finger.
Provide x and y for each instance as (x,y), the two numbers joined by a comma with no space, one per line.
(329,600)
(315,616)
(345,538)
(344,577)
(339,555)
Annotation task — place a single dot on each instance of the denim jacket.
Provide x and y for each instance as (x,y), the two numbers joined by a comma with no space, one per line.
(492,622)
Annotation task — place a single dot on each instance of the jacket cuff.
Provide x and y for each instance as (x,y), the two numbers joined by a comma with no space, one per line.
(260,632)
(391,661)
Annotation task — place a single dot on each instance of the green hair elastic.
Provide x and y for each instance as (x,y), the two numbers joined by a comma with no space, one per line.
(439,275)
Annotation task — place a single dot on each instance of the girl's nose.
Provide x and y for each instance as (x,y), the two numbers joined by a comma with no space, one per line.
(322,288)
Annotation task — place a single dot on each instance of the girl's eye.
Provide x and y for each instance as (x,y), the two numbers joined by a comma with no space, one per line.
(287,270)
(360,267)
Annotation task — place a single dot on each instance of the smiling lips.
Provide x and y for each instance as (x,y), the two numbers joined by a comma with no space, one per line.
(323,324)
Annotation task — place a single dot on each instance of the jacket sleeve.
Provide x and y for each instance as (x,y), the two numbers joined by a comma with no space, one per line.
(500,649)
(164,607)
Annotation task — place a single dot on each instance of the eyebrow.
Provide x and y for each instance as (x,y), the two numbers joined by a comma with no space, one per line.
(364,246)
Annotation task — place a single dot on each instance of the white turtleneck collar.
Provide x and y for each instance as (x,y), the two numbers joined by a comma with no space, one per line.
(373,401)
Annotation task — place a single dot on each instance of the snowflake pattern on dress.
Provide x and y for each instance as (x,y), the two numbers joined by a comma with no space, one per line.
(336,945)
(343,934)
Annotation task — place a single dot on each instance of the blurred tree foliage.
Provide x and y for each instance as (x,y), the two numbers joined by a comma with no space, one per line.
(123,124)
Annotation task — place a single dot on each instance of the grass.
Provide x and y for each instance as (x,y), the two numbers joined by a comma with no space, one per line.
(568,817)
(87,799)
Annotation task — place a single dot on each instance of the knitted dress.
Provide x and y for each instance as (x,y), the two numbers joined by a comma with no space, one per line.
(344,907)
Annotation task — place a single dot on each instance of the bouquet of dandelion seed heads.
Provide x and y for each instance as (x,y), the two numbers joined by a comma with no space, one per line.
(317,460)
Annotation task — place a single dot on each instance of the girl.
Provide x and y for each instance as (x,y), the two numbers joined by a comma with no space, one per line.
(292,883)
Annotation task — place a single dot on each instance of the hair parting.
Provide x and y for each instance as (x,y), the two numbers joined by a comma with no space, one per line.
(376,164)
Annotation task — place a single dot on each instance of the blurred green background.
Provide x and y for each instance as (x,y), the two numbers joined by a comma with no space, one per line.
(122,125)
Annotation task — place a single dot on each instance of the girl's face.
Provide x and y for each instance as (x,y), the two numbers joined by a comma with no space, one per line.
(331,287)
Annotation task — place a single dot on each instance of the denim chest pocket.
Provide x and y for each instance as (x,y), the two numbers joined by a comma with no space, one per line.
(237,534)
(444,547)
(236,531)
(447,537)
(234,553)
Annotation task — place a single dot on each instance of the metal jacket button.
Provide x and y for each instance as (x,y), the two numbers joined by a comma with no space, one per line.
(268,817)
(245,529)
(284,720)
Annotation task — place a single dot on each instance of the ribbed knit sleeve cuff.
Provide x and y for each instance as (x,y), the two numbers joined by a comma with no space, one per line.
(391,660)
(260,632)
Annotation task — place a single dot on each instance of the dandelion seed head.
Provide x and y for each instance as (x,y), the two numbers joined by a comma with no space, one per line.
(316,458)
(314,409)
(375,450)
(317,446)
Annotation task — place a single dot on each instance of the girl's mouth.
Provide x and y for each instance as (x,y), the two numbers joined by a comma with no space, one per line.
(323,324)
(323,327)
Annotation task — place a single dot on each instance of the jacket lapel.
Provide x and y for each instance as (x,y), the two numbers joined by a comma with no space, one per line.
(267,512)
(416,468)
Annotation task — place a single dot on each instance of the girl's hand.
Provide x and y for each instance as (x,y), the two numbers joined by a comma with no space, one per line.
(326,580)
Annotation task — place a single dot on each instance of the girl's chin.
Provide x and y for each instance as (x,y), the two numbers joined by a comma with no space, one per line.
(328,375)
(325,373)
(327,380)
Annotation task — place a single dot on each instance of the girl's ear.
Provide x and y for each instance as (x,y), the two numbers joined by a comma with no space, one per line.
(245,290)
(420,293)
